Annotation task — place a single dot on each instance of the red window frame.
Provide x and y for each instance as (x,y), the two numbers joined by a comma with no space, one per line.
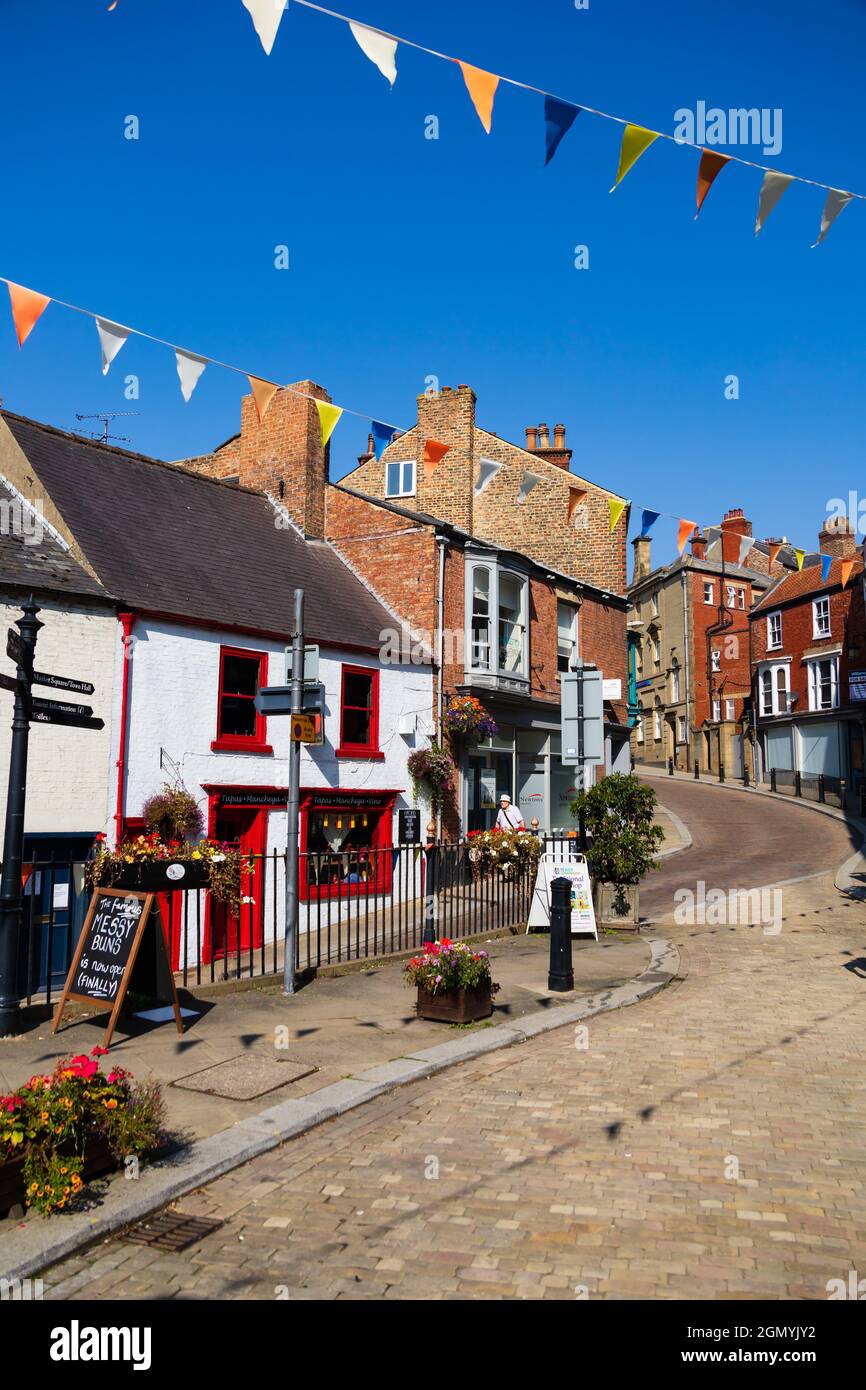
(381,848)
(242,743)
(369,750)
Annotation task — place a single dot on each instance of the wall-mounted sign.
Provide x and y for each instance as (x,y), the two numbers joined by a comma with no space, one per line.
(611,690)
(857,685)
(254,798)
(409,827)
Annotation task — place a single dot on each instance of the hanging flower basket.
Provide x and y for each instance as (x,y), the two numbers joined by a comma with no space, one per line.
(466,719)
(151,865)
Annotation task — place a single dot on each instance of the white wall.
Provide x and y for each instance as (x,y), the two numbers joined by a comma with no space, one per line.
(68,780)
(174,685)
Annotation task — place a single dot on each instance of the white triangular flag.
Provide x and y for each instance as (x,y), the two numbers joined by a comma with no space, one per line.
(379,49)
(266,16)
(527,483)
(772,188)
(714,537)
(746,544)
(189,369)
(836,202)
(487,469)
(112,336)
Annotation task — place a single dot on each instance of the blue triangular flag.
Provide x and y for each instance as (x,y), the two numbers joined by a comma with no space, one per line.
(647,521)
(826,562)
(559,117)
(382,436)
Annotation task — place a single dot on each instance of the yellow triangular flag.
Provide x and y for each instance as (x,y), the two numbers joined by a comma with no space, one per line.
(481,86)
(635,140)
(328,417)
(617,507)
(801,555)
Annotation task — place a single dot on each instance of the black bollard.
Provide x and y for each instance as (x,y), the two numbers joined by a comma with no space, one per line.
(561,975)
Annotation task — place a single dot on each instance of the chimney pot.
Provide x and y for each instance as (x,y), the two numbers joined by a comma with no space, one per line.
(531,438)
(559,436)
(543,437)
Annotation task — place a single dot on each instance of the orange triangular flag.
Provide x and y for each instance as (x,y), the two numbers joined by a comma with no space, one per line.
(686,529)
(434,452)
(481,86)
(27,306)
(711,164)
(846,567)
(774,549)
(263,394)
(575,497)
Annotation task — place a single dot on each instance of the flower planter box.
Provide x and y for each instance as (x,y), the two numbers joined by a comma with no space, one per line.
(456,1005)
(155,878)
(98,1159)
(617,905)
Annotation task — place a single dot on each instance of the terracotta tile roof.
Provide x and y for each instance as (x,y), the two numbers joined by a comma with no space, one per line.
(174,542)
(808,580)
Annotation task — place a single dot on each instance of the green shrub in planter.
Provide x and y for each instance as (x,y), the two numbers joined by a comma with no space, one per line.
(618,813)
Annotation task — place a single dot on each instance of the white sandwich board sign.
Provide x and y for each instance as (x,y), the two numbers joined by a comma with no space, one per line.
(553,865)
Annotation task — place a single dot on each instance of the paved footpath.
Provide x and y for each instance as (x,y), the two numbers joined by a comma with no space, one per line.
(708,1143)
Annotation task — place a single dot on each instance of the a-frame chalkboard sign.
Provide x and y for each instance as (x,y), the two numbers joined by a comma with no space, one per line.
(105,958)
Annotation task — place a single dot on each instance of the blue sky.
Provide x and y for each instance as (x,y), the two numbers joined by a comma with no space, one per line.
(411,257)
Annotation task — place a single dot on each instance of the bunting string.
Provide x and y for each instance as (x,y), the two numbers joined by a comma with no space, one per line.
(380,46)
(29,305)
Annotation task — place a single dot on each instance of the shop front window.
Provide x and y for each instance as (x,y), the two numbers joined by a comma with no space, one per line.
(346,850)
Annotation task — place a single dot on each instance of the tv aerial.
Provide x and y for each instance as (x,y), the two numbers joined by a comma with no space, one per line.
(106,417)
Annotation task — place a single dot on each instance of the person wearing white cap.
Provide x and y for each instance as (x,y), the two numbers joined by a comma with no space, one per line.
(509,817)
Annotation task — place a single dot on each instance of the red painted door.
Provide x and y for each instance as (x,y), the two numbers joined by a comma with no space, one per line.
(230,931)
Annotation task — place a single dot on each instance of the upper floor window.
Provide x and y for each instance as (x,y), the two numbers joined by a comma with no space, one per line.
(824,683)
(773,688)
(675,680)
(774,630)
(359,713)
(821,617)
(709,591)
(717,711)
(657,723)
(656,649)
(654,603)
(566,635)
(400,479)
(498,596)
(741,599)
(729,709)
(639,726)
(240,728)
(732,595)
(716,659)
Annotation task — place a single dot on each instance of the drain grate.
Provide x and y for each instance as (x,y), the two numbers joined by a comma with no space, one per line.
(172,1230)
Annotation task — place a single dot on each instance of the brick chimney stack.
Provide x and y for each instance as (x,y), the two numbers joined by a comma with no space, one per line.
(447,416)
(538,443)
(734,527)
(699,546)
(642,564)
(837,539)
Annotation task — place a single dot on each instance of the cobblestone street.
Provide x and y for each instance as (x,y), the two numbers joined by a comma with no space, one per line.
(709,1143)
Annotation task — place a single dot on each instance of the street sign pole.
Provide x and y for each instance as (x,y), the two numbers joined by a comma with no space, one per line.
(581,821)
(13,840)
(291,940)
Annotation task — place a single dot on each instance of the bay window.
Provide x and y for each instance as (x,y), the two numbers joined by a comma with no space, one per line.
(824,683)
(498,630)
(773,688)
(566,636)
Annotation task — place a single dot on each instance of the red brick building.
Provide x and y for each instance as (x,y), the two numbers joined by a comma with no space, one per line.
(689,623)
(498,562)
(808,658)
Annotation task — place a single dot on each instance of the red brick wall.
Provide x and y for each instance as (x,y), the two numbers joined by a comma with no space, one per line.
(732,679)
(847,626)
(603,642)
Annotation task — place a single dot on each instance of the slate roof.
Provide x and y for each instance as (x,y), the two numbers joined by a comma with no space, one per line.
(42,568)
(809,580)
(174,542)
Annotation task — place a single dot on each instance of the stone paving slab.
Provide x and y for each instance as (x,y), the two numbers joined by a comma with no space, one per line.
(246,1077)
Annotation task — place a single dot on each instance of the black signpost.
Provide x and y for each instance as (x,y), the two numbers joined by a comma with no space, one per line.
(20,647)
